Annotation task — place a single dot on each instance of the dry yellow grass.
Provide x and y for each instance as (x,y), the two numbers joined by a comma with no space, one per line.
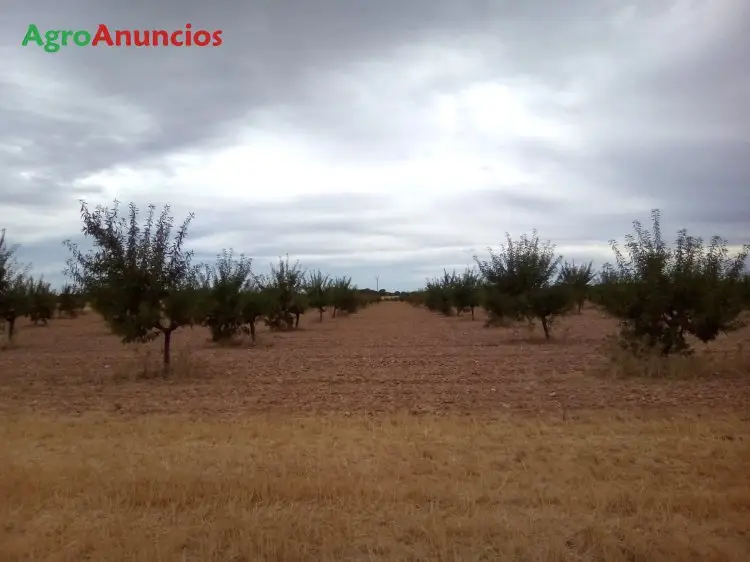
(227,459)
(602,487)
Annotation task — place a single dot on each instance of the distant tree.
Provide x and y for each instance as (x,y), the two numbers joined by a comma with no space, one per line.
(579,279)
(418,298)
(520,282)
(41,300)
(140,277)
(414,298)
(283,289)
(255,305)
(604,279)
(70,301)
(661,294)
(608,274)
(318,291)
(466,290)
(438,293)
(367,297)
(344,295)
(223,286)
(12,286)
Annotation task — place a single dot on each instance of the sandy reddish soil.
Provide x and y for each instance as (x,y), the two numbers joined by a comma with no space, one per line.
(386,358)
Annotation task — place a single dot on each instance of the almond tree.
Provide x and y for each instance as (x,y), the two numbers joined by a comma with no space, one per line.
(318,291)
(139,276)
(579,279)
(414,298)
(41,300)
(222,287)
(12,286)
(604,279)
(282,290)
(466,291)
(662,293)
(70,301)
(439,293)
(520,282)
(344,295)
(254,304)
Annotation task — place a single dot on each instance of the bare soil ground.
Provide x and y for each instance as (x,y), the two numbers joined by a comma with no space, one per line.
(388,358)
(307,447)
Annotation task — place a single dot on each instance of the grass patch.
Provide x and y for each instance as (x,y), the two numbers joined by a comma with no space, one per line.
(704,362)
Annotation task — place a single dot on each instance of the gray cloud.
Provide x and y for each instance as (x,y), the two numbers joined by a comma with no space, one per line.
(602,113)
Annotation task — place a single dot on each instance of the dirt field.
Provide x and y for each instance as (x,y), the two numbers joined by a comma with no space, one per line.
(388,358)
(394,434)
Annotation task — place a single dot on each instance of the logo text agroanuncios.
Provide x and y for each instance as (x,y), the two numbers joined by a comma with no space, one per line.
(53,39)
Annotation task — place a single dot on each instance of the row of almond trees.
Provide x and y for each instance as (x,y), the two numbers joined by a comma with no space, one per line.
(23,295)
(144,283)
(660,292)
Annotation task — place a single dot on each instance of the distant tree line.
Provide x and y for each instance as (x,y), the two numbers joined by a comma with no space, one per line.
(145,284)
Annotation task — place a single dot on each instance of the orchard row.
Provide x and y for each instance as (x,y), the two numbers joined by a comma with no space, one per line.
(145,284)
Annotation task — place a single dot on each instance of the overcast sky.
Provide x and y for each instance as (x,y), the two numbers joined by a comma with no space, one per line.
(389,138)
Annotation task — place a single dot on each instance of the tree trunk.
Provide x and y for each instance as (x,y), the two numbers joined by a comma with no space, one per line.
(252,330)
(11,320)
(545,326)
(321,310)
(296,321)
(167,347)
(334,312)
(472,313)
